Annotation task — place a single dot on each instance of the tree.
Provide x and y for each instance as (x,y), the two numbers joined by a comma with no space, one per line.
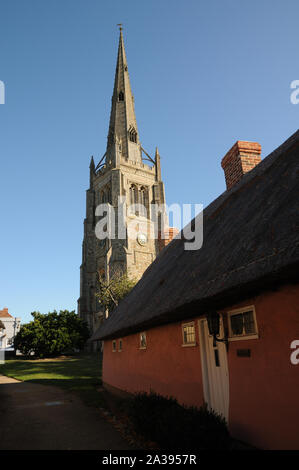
(51,334)
(113,291)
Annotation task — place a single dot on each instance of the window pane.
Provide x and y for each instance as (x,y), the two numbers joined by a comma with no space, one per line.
(189,334)
(185,335)
(237,324)
(249,325)
(217,362)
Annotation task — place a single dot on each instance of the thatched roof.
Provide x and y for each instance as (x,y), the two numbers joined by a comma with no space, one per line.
(250,243)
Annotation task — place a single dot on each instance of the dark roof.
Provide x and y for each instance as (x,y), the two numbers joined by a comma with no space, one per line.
(250,242)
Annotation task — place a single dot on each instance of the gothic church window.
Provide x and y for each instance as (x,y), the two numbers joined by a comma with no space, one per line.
(120,96)
(133,198)
(144,201)
(133,194)
(105,195)
(140,197)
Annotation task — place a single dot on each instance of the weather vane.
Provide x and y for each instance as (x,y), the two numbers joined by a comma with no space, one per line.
(120,26)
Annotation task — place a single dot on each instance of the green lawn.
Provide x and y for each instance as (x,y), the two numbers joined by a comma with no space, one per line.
(80,374)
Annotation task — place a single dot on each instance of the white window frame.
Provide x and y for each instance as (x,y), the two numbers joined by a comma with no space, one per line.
(231,336)
(120,342)
(114,344)
(190,323)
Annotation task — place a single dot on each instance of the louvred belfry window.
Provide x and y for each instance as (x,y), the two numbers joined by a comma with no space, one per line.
(133,135)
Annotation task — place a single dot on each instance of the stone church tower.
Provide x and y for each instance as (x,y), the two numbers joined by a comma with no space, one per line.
(120,173)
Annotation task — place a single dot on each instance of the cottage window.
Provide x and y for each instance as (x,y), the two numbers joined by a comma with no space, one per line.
(120,345)
(188,330)
(113,346)
(242,324)
(143,340)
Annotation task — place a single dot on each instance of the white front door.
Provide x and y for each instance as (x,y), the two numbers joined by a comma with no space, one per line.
(214,370)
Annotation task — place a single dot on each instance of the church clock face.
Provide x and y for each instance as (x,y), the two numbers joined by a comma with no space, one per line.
(142,238)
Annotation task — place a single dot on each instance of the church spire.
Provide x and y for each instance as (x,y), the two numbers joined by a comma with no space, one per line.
(123,135)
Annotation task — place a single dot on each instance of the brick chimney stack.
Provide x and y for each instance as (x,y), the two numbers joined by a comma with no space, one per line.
(242,157)
(169,235)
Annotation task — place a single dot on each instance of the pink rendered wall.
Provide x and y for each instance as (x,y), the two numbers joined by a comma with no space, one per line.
(165,366)
(264,399)
(263,403)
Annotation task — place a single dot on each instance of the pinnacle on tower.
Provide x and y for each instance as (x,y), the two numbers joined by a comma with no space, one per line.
(92,165)
(157,165)
(91,171)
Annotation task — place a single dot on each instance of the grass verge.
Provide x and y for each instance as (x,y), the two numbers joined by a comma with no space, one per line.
(80,374)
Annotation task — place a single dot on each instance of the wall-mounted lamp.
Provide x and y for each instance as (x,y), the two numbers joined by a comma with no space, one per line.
(213,319)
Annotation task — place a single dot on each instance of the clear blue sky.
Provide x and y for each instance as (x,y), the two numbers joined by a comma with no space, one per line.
(204,74)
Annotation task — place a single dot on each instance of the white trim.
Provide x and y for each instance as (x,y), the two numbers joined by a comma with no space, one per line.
(215,379)
(204,369)
(243,338)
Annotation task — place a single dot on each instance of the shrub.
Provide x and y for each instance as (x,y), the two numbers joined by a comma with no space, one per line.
(176,427)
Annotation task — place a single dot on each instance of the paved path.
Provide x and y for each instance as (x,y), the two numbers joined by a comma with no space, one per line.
(38,417)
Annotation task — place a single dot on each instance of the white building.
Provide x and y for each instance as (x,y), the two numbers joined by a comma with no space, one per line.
(11,328)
